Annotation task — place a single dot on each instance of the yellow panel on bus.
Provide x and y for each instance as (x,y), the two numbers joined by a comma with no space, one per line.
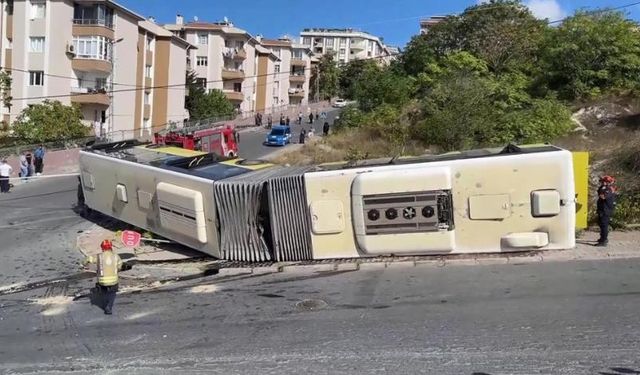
(581,177)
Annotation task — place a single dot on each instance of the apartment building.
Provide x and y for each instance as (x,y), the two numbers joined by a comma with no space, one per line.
(96,54)
(291,73)
(427,23)
(225,59)
(345,44)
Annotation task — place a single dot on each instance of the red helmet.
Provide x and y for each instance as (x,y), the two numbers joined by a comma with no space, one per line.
(607,179)
(106,245)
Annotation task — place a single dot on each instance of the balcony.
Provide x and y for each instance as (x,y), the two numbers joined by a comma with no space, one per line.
(298,62)
(297,78)
(234,96)
(232,74)
(91,65)
(296,93)
(89,27)
(90,95)
(148,57)
(9,27)
(234,53)
(148,84)
(147,112)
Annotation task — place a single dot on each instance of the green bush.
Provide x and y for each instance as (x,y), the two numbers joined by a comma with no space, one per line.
(627,210)
(49,121)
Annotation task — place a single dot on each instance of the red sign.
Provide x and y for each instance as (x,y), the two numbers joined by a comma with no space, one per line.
(130,238)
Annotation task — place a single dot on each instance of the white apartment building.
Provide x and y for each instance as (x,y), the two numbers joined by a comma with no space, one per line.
(292,71)
(225,59)
(96,54)
(345,44)
(427,23)
(254,73)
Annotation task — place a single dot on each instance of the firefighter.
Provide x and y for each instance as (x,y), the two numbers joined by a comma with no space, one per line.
(605,207)
(108,264)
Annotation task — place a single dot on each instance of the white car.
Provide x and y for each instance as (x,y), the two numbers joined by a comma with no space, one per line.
(339,103)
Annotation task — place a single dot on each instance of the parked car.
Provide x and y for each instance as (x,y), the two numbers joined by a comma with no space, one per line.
(279,136)
(339,103)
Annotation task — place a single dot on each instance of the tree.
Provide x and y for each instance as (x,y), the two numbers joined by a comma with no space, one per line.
(503,33)
(49,121)
(5,88)
(380,85)
(591,53)
(328,73)
(352,73)
(210,105)
(195,92)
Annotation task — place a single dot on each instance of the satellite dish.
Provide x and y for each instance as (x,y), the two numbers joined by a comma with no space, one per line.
(195,18)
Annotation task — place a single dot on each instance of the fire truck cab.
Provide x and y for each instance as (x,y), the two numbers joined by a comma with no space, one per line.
(220,140)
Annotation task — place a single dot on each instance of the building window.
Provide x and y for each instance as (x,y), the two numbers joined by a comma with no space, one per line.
(36,44)
(237,87)
(96,14)
(149,42)
(276,68)
(328,42)
(201,82)
(297,55)
(93,47)
(147,71)
(342,51)
(277,52)
(202,61)
(239,44)
(147,98)
(101,83)
(203,39)
(36,78)
(38,9)
(343,42)
(306,40)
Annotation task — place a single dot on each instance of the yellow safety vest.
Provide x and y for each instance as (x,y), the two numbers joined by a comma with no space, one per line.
(108,265)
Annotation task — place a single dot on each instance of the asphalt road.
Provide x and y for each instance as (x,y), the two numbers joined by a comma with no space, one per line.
(38,230)
(544,318)
(252,139)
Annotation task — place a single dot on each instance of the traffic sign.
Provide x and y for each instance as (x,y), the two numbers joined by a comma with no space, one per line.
(130,238)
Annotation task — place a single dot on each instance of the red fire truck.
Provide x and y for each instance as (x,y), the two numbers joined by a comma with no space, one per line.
(220,140)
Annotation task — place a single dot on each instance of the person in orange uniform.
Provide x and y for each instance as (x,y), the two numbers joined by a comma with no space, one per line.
(108,264)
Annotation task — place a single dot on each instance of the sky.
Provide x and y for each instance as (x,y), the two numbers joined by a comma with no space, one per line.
(394,20)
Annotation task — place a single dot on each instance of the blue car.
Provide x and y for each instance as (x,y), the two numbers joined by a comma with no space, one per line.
(279,136)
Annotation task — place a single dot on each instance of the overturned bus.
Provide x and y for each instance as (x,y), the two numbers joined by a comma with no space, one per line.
(490,200)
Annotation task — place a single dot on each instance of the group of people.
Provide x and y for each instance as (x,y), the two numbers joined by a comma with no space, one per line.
(30,164)
(304,135)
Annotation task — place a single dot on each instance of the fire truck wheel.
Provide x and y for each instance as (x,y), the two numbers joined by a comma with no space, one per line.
(231,155)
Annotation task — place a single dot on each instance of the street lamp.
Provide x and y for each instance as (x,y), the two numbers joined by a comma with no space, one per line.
(112,43)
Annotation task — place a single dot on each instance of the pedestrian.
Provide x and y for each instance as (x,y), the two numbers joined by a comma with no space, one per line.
(269,122)
(311,133)
(5,173)
(605,207)
(299,118)
(259,119)
(24,168)
(310,117)
(317,115)
(303,134)
(108,264)
(29,157)
(323,115)
(287,121)
(325,129)
(281,119)
(39,159)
